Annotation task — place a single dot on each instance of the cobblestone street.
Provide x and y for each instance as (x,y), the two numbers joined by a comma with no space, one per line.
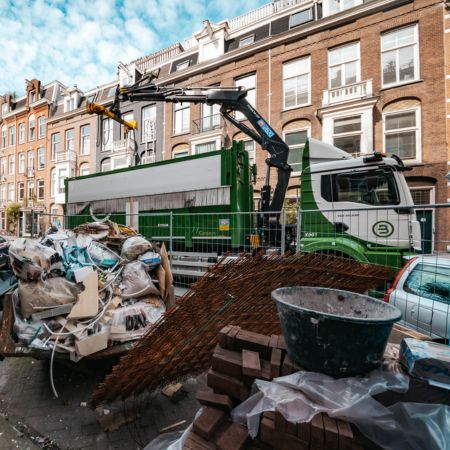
(28,402)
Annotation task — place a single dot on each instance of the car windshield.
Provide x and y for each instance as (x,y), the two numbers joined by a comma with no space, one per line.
(429,281)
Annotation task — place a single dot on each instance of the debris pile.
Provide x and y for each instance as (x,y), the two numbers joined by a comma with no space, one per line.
(84,290)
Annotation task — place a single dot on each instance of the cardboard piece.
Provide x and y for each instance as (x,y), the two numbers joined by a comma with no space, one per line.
(426,360)
(82,273)
(92,344)
(87,304)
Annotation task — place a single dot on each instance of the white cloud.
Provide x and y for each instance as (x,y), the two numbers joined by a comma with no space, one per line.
(81,41)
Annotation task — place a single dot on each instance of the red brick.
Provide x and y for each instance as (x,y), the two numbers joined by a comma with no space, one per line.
(224,384)
(251,365)
(227,362)
(331,433)
(195,442)
(235,437)
(231,337)
(219,401)
(275,363)
(247,340)
(208,422)
(345,435)
(222,336)
(304,431)
(317,432)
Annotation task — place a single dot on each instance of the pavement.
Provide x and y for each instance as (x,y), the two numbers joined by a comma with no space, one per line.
(31,417)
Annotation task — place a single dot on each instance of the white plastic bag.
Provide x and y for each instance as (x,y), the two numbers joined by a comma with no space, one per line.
(136,282)
(151,260)
(134,247)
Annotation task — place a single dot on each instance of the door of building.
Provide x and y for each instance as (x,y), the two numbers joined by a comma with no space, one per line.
(425,217)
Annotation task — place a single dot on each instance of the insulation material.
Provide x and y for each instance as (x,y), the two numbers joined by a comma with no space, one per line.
(180,344)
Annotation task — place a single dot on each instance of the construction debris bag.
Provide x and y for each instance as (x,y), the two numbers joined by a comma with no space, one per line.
(34,296)
(29,259)
(134,247)
(151,260)
(102,256)
(136,282)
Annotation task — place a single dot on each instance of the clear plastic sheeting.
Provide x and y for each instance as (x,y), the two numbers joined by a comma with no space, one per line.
(134,247)
(300,396)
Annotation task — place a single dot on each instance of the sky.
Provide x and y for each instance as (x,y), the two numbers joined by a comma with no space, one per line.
(82,41)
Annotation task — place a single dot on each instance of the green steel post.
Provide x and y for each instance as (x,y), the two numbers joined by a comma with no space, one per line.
(283,231)
(299,230)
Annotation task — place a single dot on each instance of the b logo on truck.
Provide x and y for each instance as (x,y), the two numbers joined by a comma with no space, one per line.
(383,229)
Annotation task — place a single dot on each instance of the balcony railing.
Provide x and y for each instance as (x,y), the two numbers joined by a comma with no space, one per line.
(347,93)
(148,159)
(124,145)
(207,123)
(66,156)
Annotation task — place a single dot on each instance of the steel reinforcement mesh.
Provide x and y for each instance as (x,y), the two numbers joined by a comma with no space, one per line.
(238,292)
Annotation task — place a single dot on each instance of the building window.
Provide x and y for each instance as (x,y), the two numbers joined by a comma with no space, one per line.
(128,117)
(62,175)
(300,18)
(296,83)
(402,134)
(247,40)
(105,165)
(84,170)
(112,91)
(70,140)
(31,128)
(32,96)
(335,6)
(90,98)
(40,190)
(30,193)
(400,55)
(12,136)
(69,104)
(148,123)
(347,132)
(107,126)
(249,146)
(180,153)
(181,113)
(248,82)
(296,140)
(41,127)
(182,65)
(21,133)
(3,167)
(30,162)
(343,65)
(11,192)
(12,164)
(205,147)
(4,136)
(56,143)
(20,191)
(3,195)
(211,50)
(85,138)
(41,158)
(21,162)
(4,108)
(53,182)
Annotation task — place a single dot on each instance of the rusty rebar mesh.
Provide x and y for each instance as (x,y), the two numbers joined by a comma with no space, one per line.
(237,293)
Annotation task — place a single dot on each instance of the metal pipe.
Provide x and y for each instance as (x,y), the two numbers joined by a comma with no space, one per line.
(95,108)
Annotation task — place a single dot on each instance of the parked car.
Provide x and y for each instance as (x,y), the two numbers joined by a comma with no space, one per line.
(422,293)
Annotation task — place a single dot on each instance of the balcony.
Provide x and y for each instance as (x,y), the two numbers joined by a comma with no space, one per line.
(125,146)
(350,92)
(148,159)
(67,156)
(207,123)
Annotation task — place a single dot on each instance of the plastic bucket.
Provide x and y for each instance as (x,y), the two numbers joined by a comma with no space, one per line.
(335,332)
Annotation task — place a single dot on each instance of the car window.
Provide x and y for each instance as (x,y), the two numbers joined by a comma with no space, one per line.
(432,282)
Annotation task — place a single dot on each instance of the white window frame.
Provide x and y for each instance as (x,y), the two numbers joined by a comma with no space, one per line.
(102,162)
(397,68)
(294,130)
(22,133)
(327,10)
(359,132)
(11,164)
(21,163)
(178,152)
(11,192)
(3,166)
(69,143)
(243,41)
(4,136)
(148,122)
(41,151)
(177,108)
(31,129)
(20,190)
(418,128)
(182,65)
(40,183)
(285,64)
(41,127)
(128,117)
(252,155)
(83,167)
(107,134)
(85,149)
(209,141)
(311,17)
(251,91)
(12,136)
(343,64)
(31,160)
(30,191)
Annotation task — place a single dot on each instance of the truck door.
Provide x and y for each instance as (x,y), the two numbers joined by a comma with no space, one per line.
(359,201)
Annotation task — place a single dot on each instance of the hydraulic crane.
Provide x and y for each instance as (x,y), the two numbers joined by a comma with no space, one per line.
(230,99)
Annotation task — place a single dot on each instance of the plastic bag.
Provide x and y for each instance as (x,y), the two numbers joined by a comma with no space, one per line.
(150,259)
(28,331)
(300,396)
(29,259)
(136,282)
(134,247)
(102,256)
(37,295)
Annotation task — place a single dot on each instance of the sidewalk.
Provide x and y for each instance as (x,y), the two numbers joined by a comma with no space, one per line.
(11,439)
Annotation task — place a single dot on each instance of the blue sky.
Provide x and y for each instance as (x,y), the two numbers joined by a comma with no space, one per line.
(81,41)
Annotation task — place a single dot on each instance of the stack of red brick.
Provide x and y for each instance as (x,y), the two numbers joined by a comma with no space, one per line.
(239,358)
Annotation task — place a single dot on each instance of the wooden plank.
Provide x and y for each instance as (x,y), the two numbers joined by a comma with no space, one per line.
(317,432)
(304,431)
(331,433)
(345,435)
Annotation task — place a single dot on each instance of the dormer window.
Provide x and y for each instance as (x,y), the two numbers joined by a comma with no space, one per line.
(248,40)
(336,6)
(112,91)
(31,128)
(300,18)
(90,98)
(69,104)
(211,50)
(4,108)
(32,96)
(183,65)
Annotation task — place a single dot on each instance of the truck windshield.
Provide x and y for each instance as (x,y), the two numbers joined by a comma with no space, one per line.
(371,187)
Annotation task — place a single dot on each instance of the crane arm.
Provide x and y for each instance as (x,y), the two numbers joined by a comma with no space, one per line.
(229,99)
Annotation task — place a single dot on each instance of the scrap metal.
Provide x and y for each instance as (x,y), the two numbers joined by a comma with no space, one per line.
(235,292)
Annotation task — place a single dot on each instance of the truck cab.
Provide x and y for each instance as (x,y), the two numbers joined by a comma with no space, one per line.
(356,207)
